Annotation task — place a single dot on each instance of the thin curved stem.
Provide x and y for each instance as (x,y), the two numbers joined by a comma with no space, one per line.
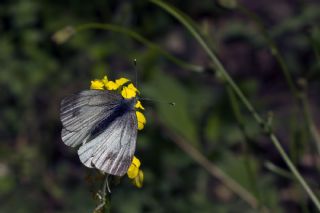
(212,169)
(274,51)
(298,95)
(104,200)
(277,170)
(138,37)
(310,122)
(241,123)
(220,68)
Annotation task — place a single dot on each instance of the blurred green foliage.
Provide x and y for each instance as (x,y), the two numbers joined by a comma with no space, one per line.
(38,173)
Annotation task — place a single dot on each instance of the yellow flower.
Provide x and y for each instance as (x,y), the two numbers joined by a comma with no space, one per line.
(129,91)
(122,81)
(105,81)
(114,85)
(134,168)
(141,120)
(135,173)
(138,105)
(96,84)
(138,180)
(132,87)
(111,85)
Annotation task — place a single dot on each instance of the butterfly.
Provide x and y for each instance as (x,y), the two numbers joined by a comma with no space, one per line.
(103,124)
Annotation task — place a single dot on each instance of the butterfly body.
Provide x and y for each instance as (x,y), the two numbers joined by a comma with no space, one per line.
(103,125)
(125,106)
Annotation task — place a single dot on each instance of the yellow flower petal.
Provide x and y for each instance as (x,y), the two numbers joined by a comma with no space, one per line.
(121,81)
(139,105)
(128,92)
(96,84)
(132,87)
(136,162)
(105,81)
(138,180)
(111,85)
(141,120)
(134,168)
(132,171)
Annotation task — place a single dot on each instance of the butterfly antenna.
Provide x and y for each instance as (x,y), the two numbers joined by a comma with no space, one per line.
(136,72)
(163,102)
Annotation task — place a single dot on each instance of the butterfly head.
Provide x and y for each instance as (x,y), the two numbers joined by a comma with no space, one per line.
(127,90)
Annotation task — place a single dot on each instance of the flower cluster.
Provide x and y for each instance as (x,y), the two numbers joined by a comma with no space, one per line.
(128,91)
(135,173)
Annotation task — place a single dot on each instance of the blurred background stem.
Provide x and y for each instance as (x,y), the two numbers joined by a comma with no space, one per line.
(310,122)
(139,38)
(220,68)
(212,169)
(240,120)
(273,49)
(298,95)
(279,171)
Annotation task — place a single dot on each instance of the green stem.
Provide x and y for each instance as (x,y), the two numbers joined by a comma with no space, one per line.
(314,44)
(299,98)
(105,204)
(310,122)
(237,113)
(212,169)
(141,39)
(214,59)
(177,14)
(274,50)
(279,171)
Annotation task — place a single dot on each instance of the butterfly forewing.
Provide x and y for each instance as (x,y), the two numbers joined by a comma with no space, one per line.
(79,112)
(111,148)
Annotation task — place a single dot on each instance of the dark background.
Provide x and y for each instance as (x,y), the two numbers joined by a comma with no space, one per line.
(38,173)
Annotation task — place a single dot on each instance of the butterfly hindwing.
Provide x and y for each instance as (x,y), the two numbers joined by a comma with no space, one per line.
(112,150)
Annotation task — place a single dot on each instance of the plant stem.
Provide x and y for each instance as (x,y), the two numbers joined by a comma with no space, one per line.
(138,37)
(310,122)
(237,114)
(279,171)
(300,96)
(220,68)
(274,50)
(212,169)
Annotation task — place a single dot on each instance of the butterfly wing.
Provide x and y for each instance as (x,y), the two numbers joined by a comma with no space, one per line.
(79,112)
(112,150)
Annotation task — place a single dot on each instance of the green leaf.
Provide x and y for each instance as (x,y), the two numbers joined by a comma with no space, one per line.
(164,88)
